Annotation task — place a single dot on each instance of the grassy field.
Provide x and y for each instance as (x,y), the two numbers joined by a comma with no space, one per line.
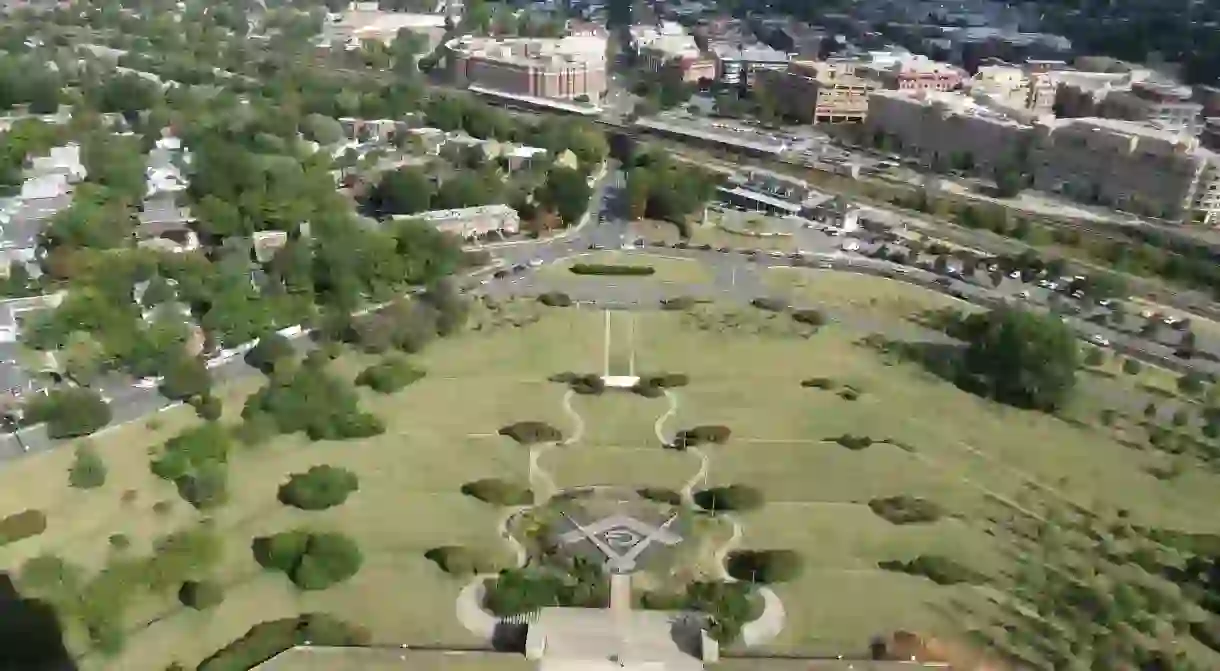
(441,434)
(860,293)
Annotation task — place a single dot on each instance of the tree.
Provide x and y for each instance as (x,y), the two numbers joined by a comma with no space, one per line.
(88,471)
(391,374)
(312,561)
(270,350)
(186,377)
(403,191)
(566,192)
(321,129)
(1020,358)
(201,594)
(1132,367)
(69,412)
(1192,383)
(451,307)
(1094,356)
(1008,181)
(318,488)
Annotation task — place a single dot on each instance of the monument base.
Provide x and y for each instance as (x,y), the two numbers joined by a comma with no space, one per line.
(620,381)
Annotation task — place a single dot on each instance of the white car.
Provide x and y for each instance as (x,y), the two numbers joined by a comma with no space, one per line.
(1099,340)
(775,254)
(534,263)
(1023,295)
(1016,275)
(148,382)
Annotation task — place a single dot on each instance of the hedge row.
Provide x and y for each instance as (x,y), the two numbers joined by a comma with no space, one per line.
(458,560)
(940,570)
(764,566)
(679,303)
(608,269)
(660,495)
(22,525)
(531,432)
(906,510)
(699,435)
(769,304)
(654,386)
(498,492)
(268,639)
(810,317)
(732,497)
(555,299)
(854,442)
(582,383)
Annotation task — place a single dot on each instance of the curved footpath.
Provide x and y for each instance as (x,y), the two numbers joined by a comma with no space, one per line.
(771,621)
(470,611)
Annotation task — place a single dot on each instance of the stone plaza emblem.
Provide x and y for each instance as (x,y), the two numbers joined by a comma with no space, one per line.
(621,539)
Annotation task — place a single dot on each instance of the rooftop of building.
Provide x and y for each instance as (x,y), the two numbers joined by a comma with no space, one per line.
(954,102)
(1123,127)
(911,63)
(755,52)
(435,216)
(533,50)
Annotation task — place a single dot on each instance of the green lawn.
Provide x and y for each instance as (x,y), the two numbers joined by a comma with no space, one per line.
(861,293)
(958,450)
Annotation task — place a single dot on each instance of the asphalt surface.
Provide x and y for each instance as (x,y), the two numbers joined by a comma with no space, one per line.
(735,277)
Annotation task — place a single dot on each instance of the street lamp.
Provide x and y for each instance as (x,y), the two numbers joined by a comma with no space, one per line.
(10,423)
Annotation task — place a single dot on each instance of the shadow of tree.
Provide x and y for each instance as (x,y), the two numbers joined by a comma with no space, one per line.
(31,638)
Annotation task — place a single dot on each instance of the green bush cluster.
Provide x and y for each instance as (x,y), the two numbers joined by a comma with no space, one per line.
(555,299)
(318,488)
(809,316)
(609,269)
(731,497)
(586,384)
(906,510)
(769,304)
(852,442)
(391,374)
(660,495)
(654,385)
(88,471)
(730,605)
(699,435)
(201,594)
(22,525)
(268,639)
(940,570)
(573,582)
(458,560)
(196,462)
(310,400)
(69,412)
(679,303)
(311,560)
(498,492)
(531,432)
(765,566)
(269,351)
(824,383)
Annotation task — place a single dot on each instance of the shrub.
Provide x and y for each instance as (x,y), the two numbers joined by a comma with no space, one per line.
(389,375)
(648,390)
(458,560)
(1207,632)
(711,433)
(608,269)
(764,566)
(660,495)
(810,317)
(729,605)
(69,412)
(940,570)
(555,299)
(163,507)
(1093,356)
(732,497)
(88,471)
(1132,367)
(1108,416)
(529,433)
(200,595)
(209,408)
(207,487)
(119,542)
(849,393)
(318,488)
(22,525)
(769,304)
(589,385)
(312,561)
(906,510)
(665,380)
(498,492)
(818,383)
(270,350)
(268,639)
(1181,417)
(854,442)
(311,400)
(678,303)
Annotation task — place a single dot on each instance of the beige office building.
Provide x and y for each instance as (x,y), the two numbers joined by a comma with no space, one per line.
(1129,166)
(819,92)
(566,68)
(946,130)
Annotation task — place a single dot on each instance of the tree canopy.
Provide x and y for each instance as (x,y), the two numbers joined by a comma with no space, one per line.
(1020,358)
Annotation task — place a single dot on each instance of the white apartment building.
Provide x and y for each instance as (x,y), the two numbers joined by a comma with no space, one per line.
(946,130)
(472,222)
(1014,87)
(1130,166)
